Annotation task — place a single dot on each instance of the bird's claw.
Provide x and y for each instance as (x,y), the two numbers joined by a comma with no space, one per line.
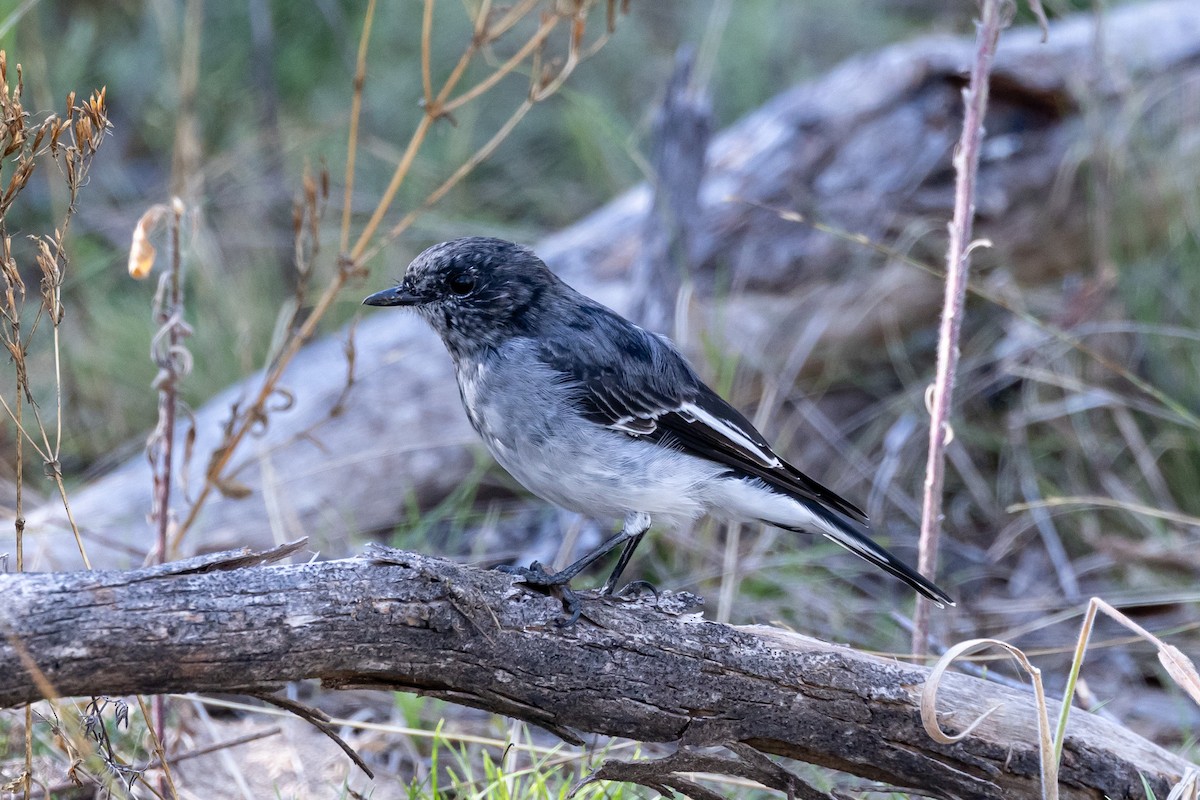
(536,576)
(635,589)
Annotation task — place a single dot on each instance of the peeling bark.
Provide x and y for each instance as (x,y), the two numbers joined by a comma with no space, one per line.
(397,620)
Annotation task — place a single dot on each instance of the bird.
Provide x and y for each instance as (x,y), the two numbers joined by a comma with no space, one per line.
(595,414)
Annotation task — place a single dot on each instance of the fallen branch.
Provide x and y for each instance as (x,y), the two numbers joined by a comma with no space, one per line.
(397,620)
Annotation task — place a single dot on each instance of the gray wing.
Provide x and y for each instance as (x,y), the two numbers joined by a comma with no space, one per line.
(636,382)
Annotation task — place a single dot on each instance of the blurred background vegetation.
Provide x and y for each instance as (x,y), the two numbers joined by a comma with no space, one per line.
(272,93)
(225,104)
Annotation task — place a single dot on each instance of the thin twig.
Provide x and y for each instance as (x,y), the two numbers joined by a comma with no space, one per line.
(156,740)
(360,80)
(163,450)
(56,476)
(319,720)
(966,164)
(426,44)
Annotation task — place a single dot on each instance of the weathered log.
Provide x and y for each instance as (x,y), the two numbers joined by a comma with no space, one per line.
(865,149)
(398,620)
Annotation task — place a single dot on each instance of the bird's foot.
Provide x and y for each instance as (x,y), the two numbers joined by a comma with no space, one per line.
(535,574)
(553,583)
(634,590)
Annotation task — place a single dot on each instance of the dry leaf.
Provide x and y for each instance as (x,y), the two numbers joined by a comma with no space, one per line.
(233,489)
(141,251)
(1181,669)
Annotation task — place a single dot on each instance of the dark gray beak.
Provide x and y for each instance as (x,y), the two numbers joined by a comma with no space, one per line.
(396,296)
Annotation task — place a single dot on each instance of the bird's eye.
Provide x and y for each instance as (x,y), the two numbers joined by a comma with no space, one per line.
(461,284)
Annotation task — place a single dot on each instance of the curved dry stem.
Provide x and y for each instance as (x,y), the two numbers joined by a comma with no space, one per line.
(929,706)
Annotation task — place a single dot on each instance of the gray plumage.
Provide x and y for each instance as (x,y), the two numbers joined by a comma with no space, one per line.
(597,415)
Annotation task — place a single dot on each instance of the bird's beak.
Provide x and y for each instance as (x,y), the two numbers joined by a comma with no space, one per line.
(396,296)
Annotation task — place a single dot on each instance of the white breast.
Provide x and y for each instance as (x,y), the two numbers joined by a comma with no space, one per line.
(525,414)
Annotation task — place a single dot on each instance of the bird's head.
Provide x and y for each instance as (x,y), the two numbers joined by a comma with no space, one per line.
(475,292)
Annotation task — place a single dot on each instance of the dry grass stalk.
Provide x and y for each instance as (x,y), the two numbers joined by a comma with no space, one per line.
(1178,666)
(174,362)
(71,141)
(929,716)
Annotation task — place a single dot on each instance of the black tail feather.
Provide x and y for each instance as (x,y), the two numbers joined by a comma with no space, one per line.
(861,545)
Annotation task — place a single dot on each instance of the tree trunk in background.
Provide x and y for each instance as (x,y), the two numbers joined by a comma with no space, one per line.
(865,149)
(679,143)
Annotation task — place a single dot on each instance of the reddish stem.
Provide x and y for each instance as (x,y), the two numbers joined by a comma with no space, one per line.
(966,165)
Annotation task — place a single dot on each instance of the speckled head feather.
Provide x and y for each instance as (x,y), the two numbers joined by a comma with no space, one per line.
(475,292)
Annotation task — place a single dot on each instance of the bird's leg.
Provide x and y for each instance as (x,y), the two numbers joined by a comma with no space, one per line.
(635,527)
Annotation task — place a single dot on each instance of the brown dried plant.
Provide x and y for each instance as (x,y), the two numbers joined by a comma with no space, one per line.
(1178,666)
(69,141)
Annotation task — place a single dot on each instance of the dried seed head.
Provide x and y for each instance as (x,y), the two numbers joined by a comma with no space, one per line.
(83,130)
(48,257)
(55,132)
(37,138)
(95,103)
